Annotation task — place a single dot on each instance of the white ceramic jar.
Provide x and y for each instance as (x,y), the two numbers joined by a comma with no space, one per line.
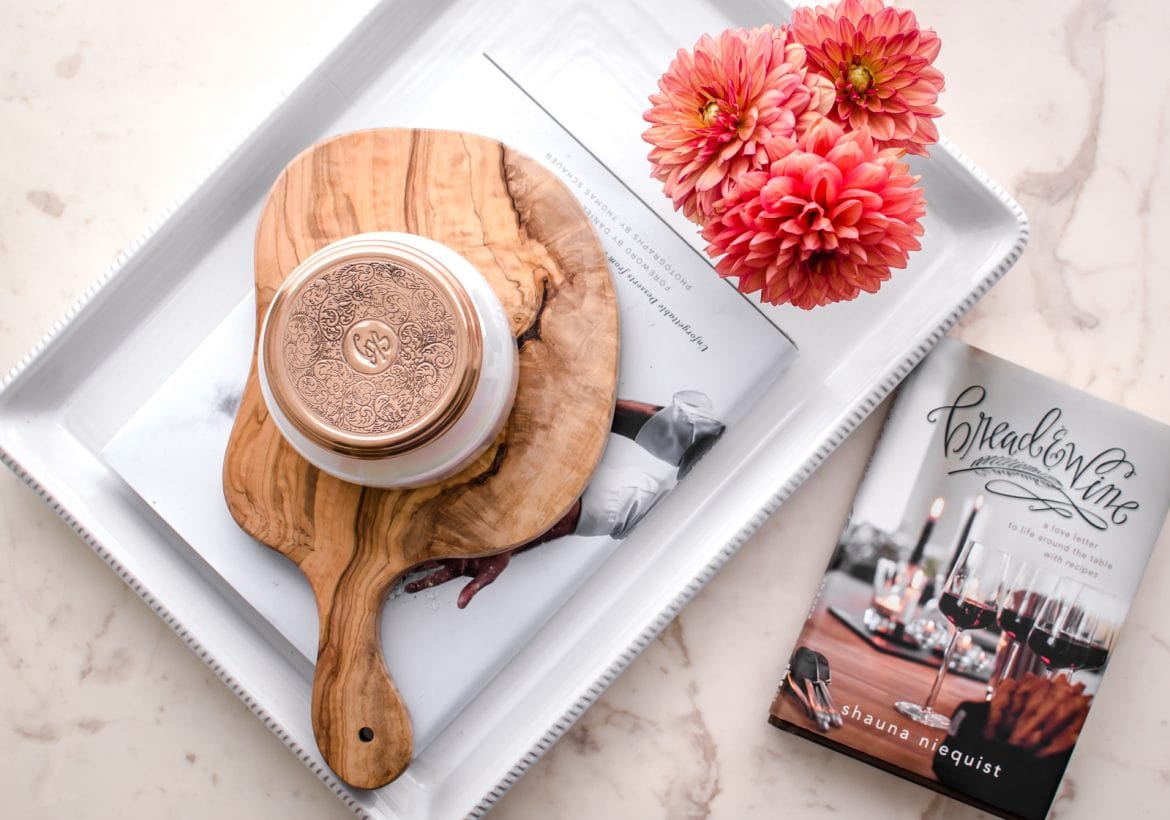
(387,360)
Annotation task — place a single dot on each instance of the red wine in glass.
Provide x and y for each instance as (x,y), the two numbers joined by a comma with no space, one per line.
(1096,657)
(1015,624)
(1076,630)
(970,599)
(1099,630)
(964,613)
(1026,596)
(1059,651)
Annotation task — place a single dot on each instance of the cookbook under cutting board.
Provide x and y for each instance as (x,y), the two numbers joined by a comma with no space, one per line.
(527,235)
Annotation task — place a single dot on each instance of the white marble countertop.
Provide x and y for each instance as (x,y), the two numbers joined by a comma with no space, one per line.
(109,110)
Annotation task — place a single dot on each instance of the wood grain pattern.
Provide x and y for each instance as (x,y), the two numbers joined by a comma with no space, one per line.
(526,233)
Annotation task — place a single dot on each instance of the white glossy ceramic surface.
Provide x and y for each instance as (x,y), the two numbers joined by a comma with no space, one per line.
(107,714)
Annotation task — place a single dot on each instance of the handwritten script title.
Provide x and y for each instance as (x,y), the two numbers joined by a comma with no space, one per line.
(1041,465)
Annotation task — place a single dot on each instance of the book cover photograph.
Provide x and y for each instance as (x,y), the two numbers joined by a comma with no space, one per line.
(979,586)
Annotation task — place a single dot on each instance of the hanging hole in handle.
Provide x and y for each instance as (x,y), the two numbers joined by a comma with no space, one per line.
(365,734)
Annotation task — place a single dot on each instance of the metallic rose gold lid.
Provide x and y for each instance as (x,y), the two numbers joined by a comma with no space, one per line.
(372,348)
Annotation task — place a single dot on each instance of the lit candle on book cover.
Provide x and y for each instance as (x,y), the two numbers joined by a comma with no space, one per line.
(973,508)
(913,573)
(932,517)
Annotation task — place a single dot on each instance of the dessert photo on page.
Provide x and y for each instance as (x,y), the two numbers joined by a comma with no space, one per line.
(976,592)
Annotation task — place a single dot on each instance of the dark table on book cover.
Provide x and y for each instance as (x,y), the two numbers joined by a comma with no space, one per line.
(869,687)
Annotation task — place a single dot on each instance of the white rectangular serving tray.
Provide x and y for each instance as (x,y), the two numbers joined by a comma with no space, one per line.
(66,401)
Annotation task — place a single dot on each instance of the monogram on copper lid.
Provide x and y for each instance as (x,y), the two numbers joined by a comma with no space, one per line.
(372,348)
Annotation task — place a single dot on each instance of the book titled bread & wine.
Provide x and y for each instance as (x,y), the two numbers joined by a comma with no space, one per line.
(978,589)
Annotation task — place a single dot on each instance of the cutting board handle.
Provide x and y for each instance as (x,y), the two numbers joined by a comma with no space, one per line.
(361,723)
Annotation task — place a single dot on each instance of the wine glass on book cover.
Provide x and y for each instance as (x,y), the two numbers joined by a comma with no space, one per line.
(1075,628)
(1023,600)
(1114,610)
(1099,631)
(970,599)
(1051,636)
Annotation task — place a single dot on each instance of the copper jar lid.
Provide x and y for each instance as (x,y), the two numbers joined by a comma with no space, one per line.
(372,347)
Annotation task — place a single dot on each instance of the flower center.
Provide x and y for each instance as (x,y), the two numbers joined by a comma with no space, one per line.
(819,262)
(860,77)
(709,112)
(812,217)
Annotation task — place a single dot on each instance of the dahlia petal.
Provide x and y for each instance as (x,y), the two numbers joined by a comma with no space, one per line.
(910,146)
(919,94)
(823,183)
(867,175)
(896,106)
(846,156)
(929,45)
(883,126)
(846,214)
(896,80)
(886,20)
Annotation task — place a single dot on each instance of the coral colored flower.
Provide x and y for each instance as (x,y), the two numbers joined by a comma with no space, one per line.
(880,63)
(824,222)
(718,110)
(823,96)
(822,93)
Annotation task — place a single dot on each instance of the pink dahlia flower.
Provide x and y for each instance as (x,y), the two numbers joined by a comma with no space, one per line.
(822,94)
(718,110)
(823,98)
(825,221)
(880,63)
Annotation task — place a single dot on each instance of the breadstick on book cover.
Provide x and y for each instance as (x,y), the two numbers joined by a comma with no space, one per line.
(977,590)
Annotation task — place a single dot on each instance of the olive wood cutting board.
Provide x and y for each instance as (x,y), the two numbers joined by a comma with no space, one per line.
(525,232)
